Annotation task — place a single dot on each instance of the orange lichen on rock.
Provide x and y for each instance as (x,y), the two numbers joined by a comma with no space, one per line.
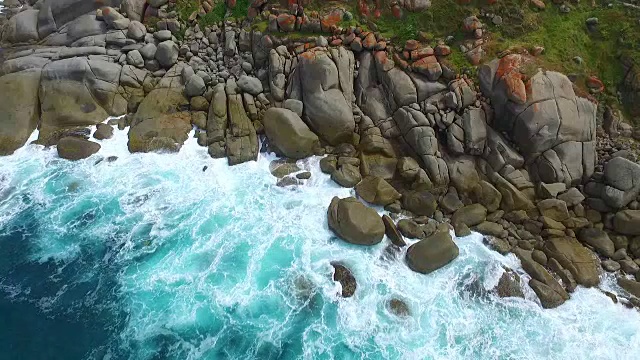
(509,72)
(331,19)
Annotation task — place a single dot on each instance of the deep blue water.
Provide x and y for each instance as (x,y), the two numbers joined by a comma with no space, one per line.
(149,257)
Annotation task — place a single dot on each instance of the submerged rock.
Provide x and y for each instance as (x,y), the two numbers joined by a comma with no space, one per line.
(281,168)
(509,285)
(343,275)
(398,307)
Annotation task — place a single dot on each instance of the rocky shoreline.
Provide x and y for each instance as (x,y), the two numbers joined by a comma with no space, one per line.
(515,155)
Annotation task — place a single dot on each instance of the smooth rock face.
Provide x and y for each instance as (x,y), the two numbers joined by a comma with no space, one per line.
(392,232)
(326,109)
(78,92)
(553,208)
(241,140)
(195,86)
(159,123)
(354,222)
(347,175)
(420,202)
(554,129)
(377,191)
(550,292)
(19,109)
(598,239)
(74,148)
(574,257)
(167,53)
(250,84)
(432,253)
(136,30)
(289,134)
(627,222)
(632,287)
(103,131)
(622,179)
(23,27)
(470,215)
(548,297)
(56,13)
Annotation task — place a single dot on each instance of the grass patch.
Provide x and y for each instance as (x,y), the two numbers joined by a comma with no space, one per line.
(261,26)
(442,19)
(565,36)
(240,11)
(185,8)
(215,16)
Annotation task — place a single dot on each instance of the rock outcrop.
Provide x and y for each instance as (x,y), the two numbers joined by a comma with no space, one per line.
(432,253)
(288,134)
(554,129)
(20,112)
(326,109)
(354,222)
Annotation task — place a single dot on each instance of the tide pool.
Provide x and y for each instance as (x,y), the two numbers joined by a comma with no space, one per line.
(150,257)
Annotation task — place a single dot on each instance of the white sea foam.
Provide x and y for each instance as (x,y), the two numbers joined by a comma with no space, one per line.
(210,258)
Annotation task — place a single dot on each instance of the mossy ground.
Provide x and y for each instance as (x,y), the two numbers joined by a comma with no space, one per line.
(563,35)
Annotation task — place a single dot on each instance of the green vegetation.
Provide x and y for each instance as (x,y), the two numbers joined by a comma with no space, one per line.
(214,16)
(240,11)
(185,8)
(569,46)
(261,26)
(564,36)
(442,19)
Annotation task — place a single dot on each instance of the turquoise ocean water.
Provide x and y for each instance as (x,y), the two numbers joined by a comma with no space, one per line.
(149,257)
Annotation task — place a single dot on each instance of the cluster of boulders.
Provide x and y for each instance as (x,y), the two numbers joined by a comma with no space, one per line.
(90,62)
(514,157)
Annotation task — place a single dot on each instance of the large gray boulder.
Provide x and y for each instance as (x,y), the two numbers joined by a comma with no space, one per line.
(420,202)
(622,182)
(554,129)
(432,253)
(133,9)
(54,14)
(598,239)
(250,84)
(574,257)
(19,109)
(195,86)
(289,135)
(326,109)
(159,124)
(167,53)
(550,292)
(627,222)
(354,222)
(22,27)
(78,92)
